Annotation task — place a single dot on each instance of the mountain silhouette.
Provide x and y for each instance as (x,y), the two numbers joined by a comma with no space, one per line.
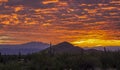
(108,48)
(65,47)
(26,48)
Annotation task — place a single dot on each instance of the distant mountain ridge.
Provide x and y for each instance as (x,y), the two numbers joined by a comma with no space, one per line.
(25,48)
(63,47)
(108,48)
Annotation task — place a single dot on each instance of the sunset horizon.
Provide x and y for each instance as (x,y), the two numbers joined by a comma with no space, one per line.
(90,43)
(59,34)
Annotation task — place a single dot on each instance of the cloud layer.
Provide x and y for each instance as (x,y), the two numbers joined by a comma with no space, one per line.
(59,20)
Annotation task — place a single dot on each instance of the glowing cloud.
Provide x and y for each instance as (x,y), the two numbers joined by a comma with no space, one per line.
(50,1)
(1,1)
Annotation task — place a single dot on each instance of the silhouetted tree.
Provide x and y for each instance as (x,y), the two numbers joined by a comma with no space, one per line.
(105,50)
(51,51)
(19,56)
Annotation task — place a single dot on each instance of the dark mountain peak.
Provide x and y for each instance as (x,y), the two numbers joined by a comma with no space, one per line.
(65,44)
(35,43)
(66,47)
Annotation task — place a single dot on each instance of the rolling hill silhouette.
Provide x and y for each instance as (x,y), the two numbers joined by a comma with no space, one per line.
(108,48)
(65,47)
(26,48)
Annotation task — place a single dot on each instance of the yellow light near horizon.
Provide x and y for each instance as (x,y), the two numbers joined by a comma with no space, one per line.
(96,42)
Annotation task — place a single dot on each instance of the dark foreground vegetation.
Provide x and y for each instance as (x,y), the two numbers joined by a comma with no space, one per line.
(64,61)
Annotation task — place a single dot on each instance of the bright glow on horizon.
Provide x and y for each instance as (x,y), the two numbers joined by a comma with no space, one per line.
(96,42)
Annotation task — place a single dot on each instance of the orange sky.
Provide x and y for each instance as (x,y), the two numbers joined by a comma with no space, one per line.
(81,22)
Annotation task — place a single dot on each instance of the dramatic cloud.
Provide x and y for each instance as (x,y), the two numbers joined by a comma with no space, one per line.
(59,20)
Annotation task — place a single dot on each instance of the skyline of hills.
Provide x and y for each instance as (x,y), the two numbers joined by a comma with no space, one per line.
(63,47)
(26,48)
